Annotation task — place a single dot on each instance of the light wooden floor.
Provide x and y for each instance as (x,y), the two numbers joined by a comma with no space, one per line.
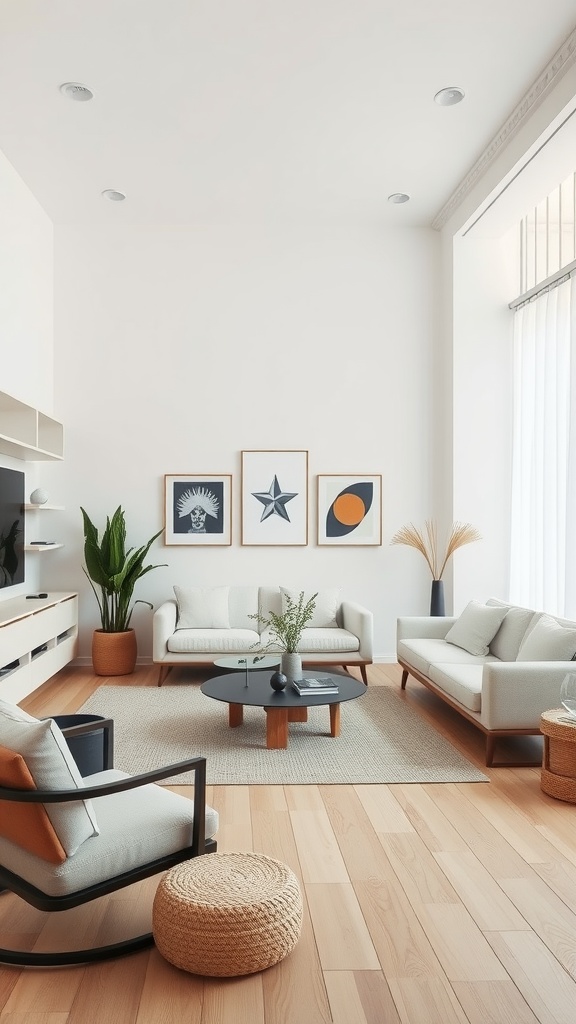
(426,904)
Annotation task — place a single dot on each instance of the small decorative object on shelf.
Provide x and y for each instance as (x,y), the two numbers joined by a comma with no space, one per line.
(39,496)
(278,681)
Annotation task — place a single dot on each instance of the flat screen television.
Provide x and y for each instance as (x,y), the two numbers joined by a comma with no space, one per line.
(12,555)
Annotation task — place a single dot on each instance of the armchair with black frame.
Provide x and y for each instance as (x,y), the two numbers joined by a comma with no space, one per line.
(65,841)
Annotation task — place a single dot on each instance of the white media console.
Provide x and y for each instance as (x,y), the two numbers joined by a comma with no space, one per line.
(38,636)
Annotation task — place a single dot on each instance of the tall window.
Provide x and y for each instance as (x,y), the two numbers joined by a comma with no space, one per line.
(543,521)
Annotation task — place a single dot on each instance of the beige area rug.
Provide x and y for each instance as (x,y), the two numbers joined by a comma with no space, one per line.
(382,740)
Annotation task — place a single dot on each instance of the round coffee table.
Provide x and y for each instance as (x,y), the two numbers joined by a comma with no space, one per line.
(281,706)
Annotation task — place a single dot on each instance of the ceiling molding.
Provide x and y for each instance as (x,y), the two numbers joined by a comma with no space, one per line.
(562,60)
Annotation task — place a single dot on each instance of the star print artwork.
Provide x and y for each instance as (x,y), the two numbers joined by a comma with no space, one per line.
(274,497)
(274,501)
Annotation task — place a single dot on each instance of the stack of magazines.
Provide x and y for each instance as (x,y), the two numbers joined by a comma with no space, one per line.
(315,686)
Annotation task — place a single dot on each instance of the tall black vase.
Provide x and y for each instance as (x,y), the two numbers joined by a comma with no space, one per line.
(437,598)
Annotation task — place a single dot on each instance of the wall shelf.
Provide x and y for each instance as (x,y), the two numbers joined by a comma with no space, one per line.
(30,507)
(42,547)
(26,433)
(47,507)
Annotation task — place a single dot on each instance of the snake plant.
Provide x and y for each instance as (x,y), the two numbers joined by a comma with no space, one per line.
(114,570)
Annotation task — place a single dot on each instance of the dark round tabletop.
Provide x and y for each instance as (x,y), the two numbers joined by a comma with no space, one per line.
(231,689)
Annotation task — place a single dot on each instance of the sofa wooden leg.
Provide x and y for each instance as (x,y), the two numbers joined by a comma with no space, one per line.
(363,674)
(164,670)
(404,679)
(490,745)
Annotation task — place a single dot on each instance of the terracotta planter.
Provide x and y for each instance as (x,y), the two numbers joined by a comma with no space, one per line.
(114,654)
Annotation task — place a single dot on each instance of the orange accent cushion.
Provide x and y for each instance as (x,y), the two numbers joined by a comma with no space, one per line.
(27,825)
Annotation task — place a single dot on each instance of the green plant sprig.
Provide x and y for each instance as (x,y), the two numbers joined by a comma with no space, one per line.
(286,628)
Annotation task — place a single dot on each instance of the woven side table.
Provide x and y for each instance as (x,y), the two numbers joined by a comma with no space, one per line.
(227,914)
(558,777)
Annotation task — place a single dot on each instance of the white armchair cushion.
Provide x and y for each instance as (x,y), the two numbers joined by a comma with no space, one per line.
(325,609)
(547,640)
(475,627)
(51,765)
(202,607)
(136,826)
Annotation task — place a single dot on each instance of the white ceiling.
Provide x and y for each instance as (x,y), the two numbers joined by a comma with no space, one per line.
(262,110)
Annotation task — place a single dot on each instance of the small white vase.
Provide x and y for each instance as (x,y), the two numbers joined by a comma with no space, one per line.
(292,665)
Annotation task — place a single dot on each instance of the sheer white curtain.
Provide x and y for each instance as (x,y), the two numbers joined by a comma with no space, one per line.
(543,514)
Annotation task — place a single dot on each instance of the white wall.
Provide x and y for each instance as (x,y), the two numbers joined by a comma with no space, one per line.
(26,317)
(177,349)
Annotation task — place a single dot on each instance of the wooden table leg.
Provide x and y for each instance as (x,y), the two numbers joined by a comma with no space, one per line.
(297,714)
(235,715)
(276,728)
(334,719)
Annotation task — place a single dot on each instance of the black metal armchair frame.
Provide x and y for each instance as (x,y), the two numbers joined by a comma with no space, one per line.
(12,882)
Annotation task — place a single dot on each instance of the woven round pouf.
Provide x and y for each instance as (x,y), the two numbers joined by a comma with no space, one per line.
(227,914)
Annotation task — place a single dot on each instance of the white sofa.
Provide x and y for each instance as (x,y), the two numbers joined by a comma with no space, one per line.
(502,685)
(205,623)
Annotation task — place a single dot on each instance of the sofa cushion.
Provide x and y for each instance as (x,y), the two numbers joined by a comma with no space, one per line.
(319,641)
(242,605)
(462,682)
(475,627)
(547,640)
(506,643)
(202,607)
(325,608)
(51,765)
(421,654)
(213,641)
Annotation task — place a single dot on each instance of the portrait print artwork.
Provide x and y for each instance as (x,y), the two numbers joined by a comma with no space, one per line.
(274,497)
(350,510)
(198,509)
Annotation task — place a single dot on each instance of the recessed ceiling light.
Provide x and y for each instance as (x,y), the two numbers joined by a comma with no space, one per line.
(113,195)
(77,92)
(398,197)
(449,96)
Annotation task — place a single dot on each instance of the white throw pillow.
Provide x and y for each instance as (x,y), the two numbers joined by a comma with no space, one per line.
(202,607)
(548,641)
(506,643)
(476,627)
(325,608)
(52,766)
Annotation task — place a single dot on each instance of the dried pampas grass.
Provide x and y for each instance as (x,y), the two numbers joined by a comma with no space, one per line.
(426,542)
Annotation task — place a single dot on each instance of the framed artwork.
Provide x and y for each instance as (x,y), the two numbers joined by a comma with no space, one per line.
(198,509)
(274,497)
(350,509)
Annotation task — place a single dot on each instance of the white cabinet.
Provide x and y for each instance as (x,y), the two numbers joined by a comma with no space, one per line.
(27,433)
(37,638)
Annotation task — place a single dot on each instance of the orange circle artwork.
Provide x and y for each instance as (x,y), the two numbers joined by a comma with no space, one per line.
(349,509)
